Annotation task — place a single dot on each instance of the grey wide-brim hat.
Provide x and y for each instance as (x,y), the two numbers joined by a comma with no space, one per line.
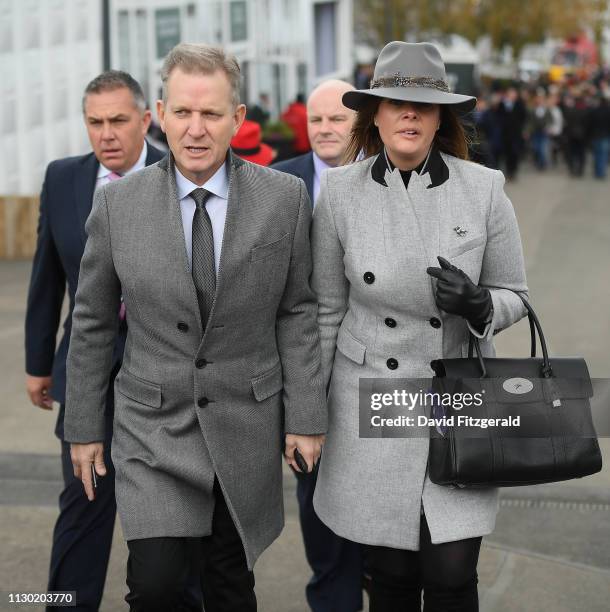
(413,72)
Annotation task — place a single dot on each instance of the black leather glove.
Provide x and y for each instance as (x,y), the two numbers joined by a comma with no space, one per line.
(457,294)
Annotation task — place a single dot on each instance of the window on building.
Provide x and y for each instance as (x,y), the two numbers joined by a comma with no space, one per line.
(57,33)
(81,21)
(167,28)
(142,73)
(325,37)
(124,41)
(31,26)
(239,20)
(6,27)
(302,77)
(10,162)
(9,115)
(60,110)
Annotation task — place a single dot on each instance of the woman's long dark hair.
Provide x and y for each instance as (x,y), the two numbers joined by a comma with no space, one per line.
(451,137)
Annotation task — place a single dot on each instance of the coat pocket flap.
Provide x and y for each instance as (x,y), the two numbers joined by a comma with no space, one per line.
(268,384)
(265,250)
(353,349)
(139,390)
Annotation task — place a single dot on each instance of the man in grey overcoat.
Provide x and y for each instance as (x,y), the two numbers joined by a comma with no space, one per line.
(210,257)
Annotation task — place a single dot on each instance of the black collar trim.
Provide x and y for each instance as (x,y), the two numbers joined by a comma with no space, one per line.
(439,172)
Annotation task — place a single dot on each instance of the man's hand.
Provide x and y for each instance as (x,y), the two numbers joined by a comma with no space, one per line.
(83,457)
(38,390)
(309,447)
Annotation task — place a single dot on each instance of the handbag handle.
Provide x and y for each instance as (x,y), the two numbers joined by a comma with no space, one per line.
(532,337)
(547,370)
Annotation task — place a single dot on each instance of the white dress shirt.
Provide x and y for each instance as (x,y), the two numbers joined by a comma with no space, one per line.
(318,168)
(103,172)
(216,206)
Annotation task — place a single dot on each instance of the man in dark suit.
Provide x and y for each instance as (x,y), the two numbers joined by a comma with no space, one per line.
(117,120)
(336,584)
(329,124)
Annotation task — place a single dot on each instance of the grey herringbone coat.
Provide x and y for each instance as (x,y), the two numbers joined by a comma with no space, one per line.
(372,490)
(261,346)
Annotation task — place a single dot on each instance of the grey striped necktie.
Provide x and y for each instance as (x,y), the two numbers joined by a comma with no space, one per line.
(203,268)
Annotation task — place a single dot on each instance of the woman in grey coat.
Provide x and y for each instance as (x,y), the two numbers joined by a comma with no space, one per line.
(381,227)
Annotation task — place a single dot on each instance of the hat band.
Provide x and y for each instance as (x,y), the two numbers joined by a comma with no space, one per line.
(410,81)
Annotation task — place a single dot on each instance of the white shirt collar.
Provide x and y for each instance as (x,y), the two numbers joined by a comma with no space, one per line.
(218,183)
(103,172)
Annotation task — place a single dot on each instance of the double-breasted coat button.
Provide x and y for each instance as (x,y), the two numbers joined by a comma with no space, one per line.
(390,322)
(435,322)
(202,402)
(200,363)
(369,278)
(392,363)
(182,326)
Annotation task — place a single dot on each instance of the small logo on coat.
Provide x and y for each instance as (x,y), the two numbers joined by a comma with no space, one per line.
(460,231)
(517,386)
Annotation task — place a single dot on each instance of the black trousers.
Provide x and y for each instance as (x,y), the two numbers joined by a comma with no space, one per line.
(447,574)
(336,584)
(82,536)
(158,569)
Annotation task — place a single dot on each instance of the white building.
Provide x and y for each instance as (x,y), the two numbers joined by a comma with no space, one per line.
(284,46)
(49,50)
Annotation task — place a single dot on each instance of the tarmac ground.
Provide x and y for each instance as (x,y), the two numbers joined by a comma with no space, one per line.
(551,546)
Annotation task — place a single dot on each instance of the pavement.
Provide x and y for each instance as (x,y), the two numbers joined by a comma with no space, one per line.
(551,546)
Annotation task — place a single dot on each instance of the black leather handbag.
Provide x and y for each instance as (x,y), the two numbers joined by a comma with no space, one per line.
(556,438)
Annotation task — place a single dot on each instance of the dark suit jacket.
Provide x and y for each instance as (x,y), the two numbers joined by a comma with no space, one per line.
(65,204)
(301,167)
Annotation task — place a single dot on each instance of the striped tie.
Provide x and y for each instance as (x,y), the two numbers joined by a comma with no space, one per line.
(203,268)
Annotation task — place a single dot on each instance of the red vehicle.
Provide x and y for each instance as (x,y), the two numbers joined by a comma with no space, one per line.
(575,59)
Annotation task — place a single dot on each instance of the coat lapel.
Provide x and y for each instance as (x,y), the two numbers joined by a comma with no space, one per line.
(84,186)
(178,243)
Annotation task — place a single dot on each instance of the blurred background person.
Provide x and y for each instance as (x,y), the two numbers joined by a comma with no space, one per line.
(513,115)
(248,145)
(538,122)
(599,136)
(259,112)
(575,130)
(117,120)
(336,584)
(295,116)
(555,129)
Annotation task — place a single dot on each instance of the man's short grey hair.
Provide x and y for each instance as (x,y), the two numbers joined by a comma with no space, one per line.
(115,79)
(201,59)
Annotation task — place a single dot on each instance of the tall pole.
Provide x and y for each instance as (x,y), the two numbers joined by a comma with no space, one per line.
(106,34)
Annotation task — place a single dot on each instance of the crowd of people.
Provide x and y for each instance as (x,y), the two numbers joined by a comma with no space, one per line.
(548,123)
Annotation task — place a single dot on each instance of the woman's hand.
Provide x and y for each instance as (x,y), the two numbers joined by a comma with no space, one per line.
(457,294)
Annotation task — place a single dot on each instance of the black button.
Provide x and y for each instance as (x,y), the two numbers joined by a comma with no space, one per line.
(392,363)
(390,322)
(369,278)
(436,323)
(202,402)
(182,326)
(201,363)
